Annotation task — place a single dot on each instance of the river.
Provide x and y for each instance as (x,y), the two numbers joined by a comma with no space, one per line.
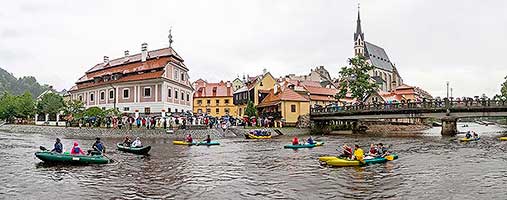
(429,166)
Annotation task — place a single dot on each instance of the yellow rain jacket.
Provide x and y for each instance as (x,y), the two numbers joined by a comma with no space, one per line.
(359,154)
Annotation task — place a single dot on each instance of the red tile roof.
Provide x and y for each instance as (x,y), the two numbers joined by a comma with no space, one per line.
(164,52)
(321,90)
(322,98)
(285,95)
(204,89)
(136,77)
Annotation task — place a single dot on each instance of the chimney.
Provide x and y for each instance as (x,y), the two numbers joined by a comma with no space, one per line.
(126,52)
(264,71)
(106,59)
(144,52)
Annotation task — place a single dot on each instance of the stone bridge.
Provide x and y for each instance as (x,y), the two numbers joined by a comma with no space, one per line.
(447,111)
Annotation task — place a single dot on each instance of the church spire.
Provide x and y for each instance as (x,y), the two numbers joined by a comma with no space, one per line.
(359,31)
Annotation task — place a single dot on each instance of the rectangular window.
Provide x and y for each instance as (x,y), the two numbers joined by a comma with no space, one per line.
(217,110)
(293,108)
(147,110)
(199,102)
(240,111)
(176,72)
(102,95)
(147,92)
(92,97)
(226,101)
(80,98)
(208,101)
(188,97)
(126,93)
(175,94)
(111,94)
(226,110)
(170,92)
(217,101)
(182,96)
(126,109)
(208,110)
(182,76)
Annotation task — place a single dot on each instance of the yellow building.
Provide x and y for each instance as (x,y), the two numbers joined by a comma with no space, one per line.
(214,99)
(284,105)
(255,90)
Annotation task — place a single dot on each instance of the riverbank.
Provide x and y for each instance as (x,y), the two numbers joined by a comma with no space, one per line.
(90,133)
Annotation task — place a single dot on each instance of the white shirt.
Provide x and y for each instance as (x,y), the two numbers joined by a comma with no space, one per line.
(136,143)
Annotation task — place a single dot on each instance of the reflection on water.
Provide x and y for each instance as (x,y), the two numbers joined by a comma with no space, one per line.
(429,166)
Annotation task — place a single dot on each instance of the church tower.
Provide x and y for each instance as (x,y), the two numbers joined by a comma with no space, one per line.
(358,37)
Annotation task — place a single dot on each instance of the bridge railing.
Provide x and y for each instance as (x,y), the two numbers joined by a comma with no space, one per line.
(399,106)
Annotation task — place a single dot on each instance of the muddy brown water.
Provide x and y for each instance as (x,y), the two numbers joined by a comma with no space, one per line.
(429,167)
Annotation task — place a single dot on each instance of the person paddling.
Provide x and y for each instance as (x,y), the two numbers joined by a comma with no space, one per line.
(208,139)
(373,150)
(58,146)
(358,153)
(137,143)
(189,138)
(76,150)
(310,140)
(127,142)
(295,141)
(347,151)
(475,135)
(468,135)
(381,150)
(98,147)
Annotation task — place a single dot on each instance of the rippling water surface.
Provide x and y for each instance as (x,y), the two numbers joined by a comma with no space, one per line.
(429,166)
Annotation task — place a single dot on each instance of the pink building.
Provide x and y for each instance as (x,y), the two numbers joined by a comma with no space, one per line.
(148,82)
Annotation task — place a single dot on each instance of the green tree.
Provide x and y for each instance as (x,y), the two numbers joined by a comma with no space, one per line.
(94,112)
(504,88)
(74,108)
(25,106)
(250,109)
(356,80)
(50,103)
(8,107)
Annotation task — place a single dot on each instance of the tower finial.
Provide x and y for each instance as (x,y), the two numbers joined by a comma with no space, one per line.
(170,37)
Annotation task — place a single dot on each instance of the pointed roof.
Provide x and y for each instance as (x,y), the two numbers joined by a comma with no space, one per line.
(359,31)
(378,57)
(285,95)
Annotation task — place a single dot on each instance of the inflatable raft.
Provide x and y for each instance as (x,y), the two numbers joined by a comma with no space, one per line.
(502,138)
(177,142)
(134,150)
(345,162)
(252,136)
(51,157)
(469,139)
(291,146)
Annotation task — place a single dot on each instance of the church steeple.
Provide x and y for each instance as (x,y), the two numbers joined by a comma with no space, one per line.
(358,36)
(359,31)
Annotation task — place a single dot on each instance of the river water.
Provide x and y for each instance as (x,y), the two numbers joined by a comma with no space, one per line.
(429,166)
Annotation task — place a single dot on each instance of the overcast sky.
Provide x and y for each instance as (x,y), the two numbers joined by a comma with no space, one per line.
(430,41)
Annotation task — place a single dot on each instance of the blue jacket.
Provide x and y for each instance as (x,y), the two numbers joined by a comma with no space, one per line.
(58,147)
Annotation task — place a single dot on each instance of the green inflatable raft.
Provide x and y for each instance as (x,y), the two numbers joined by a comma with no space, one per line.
(134,150)
(291,146)
(51,157)
(212,143)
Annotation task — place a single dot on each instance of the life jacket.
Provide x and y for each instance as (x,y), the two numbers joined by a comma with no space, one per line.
(373,150)
(295,141)
(76,150)
(99,146)
(347,151)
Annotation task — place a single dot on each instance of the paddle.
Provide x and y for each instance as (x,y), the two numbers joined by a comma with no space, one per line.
(103,154)
(43,148)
